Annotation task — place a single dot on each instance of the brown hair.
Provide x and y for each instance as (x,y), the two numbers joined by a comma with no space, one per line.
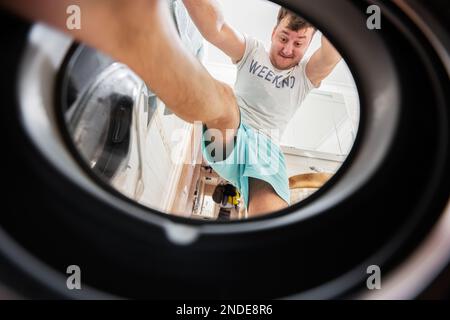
(296,22)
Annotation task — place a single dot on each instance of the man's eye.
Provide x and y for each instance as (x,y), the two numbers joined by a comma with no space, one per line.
(283,39)
(298,44)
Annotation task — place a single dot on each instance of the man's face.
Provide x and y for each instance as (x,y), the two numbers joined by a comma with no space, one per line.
(289,47)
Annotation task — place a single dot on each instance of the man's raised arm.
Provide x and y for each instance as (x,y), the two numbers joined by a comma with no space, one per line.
(208,17)
(322,62)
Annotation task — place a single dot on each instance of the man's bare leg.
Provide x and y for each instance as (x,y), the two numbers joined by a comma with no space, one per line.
(263,199)
(142,34)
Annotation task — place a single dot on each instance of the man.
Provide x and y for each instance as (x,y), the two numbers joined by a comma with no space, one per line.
(153,50)
(269,88)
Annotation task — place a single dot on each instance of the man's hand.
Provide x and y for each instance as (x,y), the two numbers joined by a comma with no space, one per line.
(322,62)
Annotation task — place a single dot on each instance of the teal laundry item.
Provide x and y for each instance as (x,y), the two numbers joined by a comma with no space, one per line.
(254,155)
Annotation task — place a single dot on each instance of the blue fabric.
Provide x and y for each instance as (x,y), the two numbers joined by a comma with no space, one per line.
(254,156)
(189,34)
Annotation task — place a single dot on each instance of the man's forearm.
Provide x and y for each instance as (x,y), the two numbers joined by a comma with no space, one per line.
(207,16)
(322,62)
(330,56)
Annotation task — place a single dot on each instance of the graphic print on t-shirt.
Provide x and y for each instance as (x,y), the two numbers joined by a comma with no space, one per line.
(269,75)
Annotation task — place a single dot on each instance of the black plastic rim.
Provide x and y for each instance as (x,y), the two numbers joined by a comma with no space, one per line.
(380,224)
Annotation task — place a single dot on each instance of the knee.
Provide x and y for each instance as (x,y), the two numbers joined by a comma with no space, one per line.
(228,117)
(263,199)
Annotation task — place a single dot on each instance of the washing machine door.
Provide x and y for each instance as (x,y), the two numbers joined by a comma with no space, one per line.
(99,112)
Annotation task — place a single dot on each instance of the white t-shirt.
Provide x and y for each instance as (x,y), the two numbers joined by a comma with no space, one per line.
(268,97)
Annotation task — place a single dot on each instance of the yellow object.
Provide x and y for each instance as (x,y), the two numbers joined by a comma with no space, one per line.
(234,200)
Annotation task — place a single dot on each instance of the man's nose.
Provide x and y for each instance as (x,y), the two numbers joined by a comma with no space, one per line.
(288,49)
